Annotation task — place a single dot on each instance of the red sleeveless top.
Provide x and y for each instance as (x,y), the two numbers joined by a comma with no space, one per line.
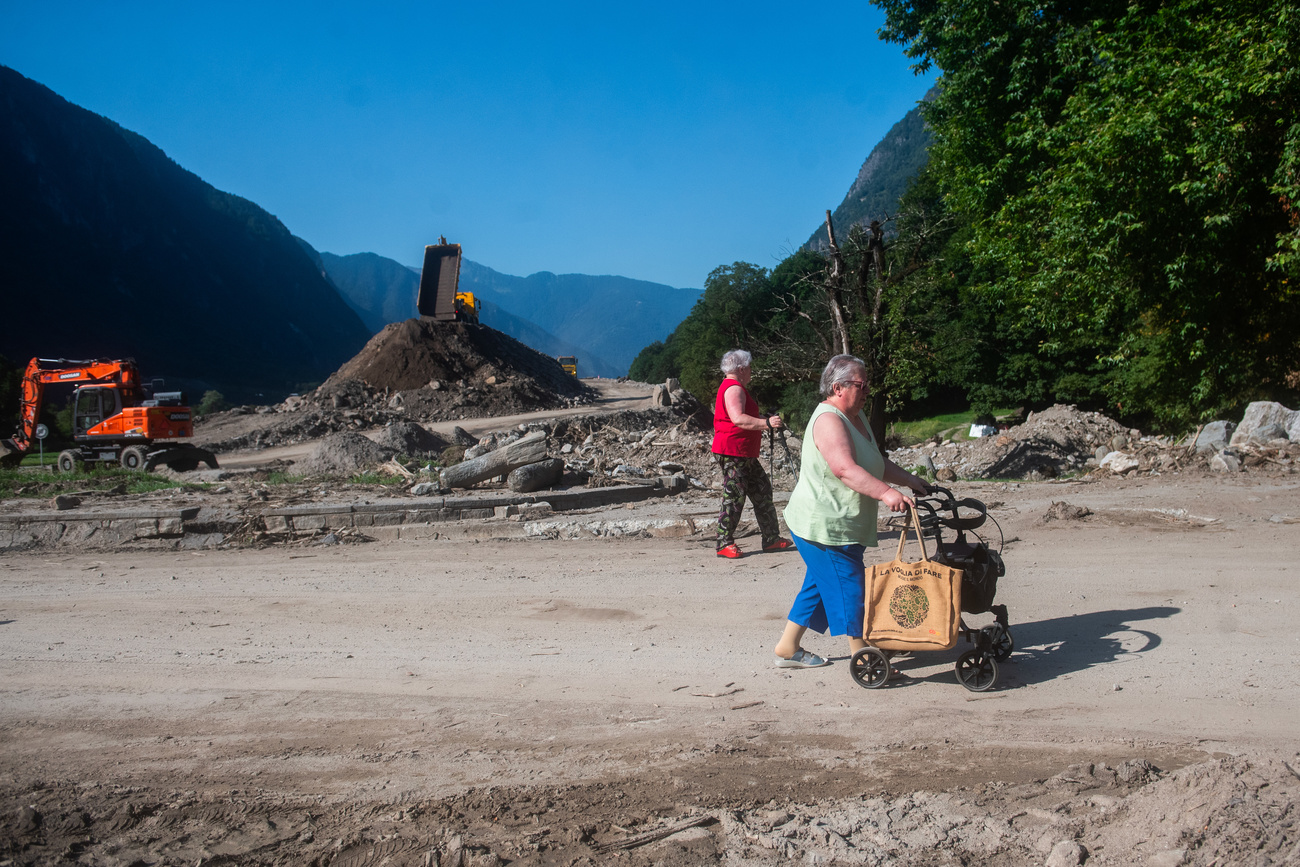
(727,438)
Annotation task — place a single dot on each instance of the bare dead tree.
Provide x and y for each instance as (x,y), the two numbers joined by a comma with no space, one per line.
(834,286)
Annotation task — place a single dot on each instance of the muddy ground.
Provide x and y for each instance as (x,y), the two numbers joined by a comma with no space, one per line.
(614,701)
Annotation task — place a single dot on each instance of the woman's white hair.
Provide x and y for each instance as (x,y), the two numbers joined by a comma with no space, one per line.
(735,360)
(841,368)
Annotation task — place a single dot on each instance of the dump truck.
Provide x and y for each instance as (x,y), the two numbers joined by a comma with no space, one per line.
(440,297)
(569,363)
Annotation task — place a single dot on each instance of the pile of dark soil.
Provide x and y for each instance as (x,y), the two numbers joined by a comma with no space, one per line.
(427,367)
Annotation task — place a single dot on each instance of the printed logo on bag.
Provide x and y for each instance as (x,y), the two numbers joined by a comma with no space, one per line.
(908,606)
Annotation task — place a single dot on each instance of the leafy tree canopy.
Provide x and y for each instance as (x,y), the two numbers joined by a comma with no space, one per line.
(1131,177)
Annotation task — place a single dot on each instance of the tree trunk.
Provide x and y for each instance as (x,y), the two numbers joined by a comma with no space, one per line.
(834,291)
(521,452)
(534,477)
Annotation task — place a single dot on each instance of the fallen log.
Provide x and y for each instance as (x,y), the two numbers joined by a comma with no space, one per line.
(534,477)
(521,452)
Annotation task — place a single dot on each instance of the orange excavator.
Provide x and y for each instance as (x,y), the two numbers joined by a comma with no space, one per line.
(115,419)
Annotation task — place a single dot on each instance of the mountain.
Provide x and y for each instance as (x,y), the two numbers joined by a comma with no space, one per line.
(601,320)
(377,288)
(883,178)
(108,248)
(382,291)
(610,317)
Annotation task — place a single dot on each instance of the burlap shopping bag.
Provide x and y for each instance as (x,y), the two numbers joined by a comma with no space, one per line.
(913,606)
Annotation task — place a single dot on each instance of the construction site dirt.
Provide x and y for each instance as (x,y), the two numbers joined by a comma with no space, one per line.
(598,700)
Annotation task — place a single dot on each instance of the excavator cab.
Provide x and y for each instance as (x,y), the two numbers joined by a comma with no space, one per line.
(92,405)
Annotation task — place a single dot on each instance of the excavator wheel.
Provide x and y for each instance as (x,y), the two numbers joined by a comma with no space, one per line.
(68,461)
(132,458)
(182,459)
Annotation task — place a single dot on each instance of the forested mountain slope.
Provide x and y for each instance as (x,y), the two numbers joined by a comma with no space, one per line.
(110,249)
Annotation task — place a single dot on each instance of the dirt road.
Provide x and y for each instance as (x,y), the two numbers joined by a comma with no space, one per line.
(452,702)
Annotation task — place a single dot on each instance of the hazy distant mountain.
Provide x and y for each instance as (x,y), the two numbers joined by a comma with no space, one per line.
(377,288)
(381,291)
(110,249)
(601,320)
(611,317)
(883,178)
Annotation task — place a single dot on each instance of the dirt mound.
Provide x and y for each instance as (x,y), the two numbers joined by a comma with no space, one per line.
(1227,811)
(409,438)
(342,453)
(417,354)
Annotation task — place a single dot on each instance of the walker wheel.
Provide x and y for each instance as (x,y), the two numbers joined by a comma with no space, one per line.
(977,670)
(869,667)
(1000,641)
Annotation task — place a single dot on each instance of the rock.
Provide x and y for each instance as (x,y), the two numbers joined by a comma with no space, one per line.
(1100,454)
(927,464)
(670,466)
(1119,442)
(536,476)
(343,453)
(945,474)
(1118,462)
(1269,432)
(424,489)
(1225,463)
(463,437)
(1136,771)
(1265,412)
(1214,437)
(478,450)
(1066,853)
(409,438)
(1062,511)
(659,396)
(28,821)
(63,502)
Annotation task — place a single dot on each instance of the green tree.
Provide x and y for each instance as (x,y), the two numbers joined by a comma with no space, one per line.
(213,401)
(1129,173)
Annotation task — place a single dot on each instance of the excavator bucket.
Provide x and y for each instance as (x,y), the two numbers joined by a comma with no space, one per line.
(10,454)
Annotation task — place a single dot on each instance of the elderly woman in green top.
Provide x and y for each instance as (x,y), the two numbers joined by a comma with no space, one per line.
(832,512)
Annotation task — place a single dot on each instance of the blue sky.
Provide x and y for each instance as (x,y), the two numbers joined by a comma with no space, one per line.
(655,141)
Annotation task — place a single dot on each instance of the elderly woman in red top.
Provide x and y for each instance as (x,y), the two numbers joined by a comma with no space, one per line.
(737,434)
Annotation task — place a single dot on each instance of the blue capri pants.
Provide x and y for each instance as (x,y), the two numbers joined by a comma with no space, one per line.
(834,588)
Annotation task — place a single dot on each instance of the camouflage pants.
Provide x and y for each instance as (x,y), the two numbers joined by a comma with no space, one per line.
(741,478)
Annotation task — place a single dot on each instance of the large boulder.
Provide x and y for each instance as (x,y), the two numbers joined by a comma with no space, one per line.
(1214,437)
(1266,412)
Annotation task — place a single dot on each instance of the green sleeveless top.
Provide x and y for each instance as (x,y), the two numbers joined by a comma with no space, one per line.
(822,508)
